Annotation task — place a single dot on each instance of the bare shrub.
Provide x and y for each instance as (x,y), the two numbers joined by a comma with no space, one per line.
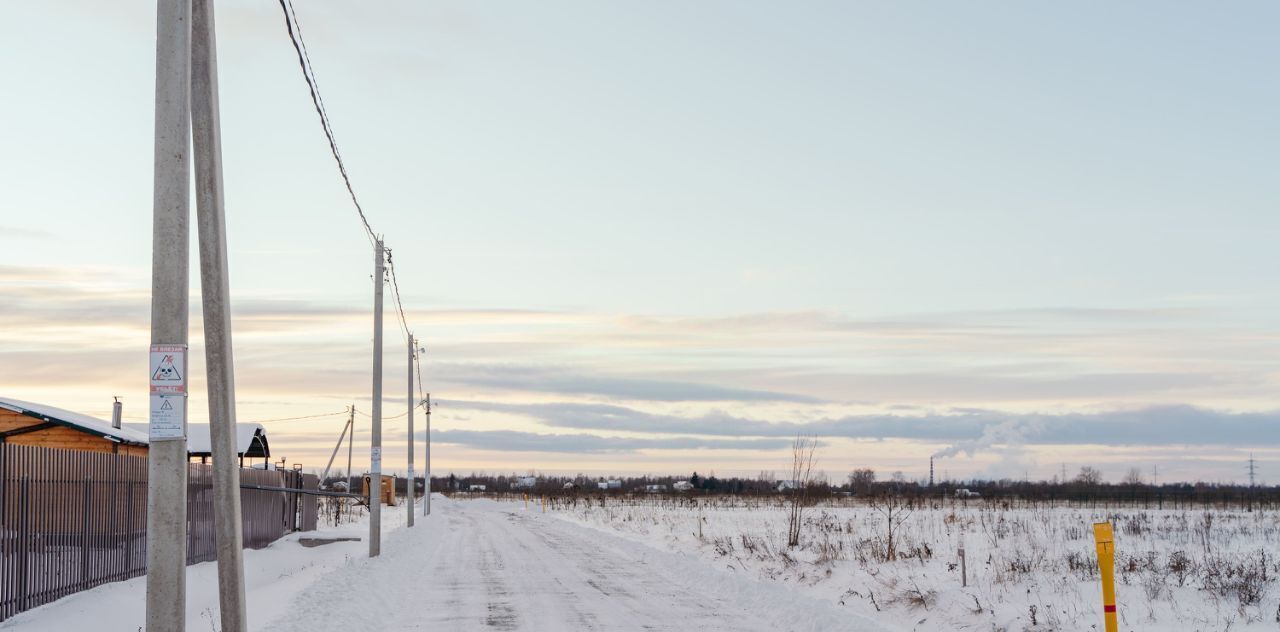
(1180,567)
(1246,580)
(895,510)
(802,461)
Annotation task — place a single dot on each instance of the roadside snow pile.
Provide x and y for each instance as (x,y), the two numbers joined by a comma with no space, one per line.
(1029,568)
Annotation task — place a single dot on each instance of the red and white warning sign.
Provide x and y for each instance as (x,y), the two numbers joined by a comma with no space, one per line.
(168,368)
(168,418)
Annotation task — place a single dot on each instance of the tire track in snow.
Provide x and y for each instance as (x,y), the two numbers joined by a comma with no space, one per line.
(480,566)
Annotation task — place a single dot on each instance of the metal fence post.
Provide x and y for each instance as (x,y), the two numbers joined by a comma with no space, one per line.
(128,531)
(84,534)
(24,538)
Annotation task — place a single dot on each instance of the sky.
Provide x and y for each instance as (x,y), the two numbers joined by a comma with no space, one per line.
(667,236)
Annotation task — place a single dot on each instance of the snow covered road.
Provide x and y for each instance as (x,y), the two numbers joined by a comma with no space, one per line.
(480,565)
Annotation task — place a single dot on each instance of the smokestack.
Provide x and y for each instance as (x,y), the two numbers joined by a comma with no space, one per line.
(115,412)
(930,471)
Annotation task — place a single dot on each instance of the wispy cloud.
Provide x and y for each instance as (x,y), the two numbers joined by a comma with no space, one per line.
(968,430)
(513,441)
(18,232)
(569,382)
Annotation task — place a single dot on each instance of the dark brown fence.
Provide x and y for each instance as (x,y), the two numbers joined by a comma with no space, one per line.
(72,520)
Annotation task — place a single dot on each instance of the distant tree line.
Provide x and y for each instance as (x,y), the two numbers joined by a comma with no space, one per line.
(1086,488)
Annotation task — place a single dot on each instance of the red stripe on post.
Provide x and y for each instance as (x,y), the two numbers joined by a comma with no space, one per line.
(1111,608)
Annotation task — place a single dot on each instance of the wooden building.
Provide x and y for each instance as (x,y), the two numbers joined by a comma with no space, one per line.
(388,488)
(25,423)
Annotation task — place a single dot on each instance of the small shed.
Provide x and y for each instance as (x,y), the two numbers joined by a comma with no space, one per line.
(388,488)
(27,423)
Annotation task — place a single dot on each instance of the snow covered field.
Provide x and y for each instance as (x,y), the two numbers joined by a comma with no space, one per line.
(1028,568)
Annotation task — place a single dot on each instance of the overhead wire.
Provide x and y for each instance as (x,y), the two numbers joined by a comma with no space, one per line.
(422,392)
(294,29)
(263,421)
(384,417)
(304,61)
(395,286)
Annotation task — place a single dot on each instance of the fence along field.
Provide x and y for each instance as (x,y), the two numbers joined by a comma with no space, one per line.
(72,520)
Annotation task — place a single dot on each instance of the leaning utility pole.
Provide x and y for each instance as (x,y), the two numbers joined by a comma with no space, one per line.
(351,411)
(409,488)
(375,449)
(215,291)
(351,446)
(426,504)
(167,424)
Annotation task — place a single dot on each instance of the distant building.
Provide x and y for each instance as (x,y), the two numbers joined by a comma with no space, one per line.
(655,489)
(476,488)
(525,482)
(682,486)
(251,442)
(965,493)
(786,486)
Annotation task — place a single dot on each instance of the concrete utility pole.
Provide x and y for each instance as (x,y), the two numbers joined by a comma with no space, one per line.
(215,292)
(426,504)
(409,488)
(342,437)
(167,458)
(375,449)
(351,445)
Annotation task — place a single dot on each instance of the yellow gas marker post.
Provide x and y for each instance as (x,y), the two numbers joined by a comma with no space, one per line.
(1107,568)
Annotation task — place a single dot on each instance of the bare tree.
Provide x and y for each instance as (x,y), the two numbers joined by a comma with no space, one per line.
(895,509)
(1133,477)
(862,479)
(1089,476)
(803,458)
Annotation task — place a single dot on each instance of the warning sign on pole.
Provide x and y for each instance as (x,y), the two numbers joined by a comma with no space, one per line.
(167,413)
(168,368)
(168,392)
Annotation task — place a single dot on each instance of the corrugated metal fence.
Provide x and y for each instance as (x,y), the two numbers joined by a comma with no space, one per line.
(72,520)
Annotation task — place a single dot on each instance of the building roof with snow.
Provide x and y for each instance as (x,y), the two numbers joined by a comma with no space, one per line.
(76,421)
(251,439)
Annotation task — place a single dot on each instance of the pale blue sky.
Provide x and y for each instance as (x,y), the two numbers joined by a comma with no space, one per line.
(867,204)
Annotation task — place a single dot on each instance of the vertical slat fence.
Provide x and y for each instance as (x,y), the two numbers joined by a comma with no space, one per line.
(72,520)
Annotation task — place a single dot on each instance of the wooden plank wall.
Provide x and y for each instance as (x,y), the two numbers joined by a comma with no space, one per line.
(61,437)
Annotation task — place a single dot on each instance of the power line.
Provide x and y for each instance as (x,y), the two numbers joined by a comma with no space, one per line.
(294,28)
(304,61)
(395,286)
(418,365)
(262,421)
(384,417)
